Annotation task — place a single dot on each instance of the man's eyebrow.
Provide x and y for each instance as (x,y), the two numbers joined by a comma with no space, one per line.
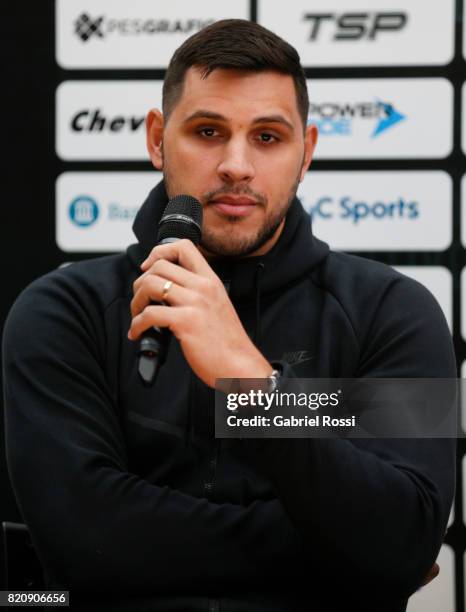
(206,114)
(274,119)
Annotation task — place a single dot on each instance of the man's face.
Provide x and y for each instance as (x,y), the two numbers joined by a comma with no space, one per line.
(235,142)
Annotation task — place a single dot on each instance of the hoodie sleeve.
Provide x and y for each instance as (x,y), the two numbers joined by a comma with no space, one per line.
(376,510)
(95,525)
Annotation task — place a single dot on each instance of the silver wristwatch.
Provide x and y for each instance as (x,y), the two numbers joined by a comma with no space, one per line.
(273,381)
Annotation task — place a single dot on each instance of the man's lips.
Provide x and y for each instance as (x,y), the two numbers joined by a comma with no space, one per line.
(234,206)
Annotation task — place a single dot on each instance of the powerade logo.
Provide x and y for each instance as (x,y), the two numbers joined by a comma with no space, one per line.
(83,211)
(333,118)
(87,27)
(355,211)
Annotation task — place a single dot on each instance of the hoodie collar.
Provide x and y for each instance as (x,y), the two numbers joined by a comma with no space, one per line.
(295,253)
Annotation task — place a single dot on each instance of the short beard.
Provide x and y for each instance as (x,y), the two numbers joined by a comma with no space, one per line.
(242,247)
(219,246)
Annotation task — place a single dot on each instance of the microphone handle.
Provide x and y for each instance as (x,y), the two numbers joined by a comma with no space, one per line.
(153,346)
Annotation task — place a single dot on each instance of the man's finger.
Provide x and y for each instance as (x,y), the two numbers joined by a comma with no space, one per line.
(156,289)
(160,316)
(169,271)
(181,252)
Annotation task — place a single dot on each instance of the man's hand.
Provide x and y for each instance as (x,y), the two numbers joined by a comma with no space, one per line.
(198,312)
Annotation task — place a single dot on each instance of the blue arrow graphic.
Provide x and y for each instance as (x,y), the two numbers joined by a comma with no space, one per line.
(392,117)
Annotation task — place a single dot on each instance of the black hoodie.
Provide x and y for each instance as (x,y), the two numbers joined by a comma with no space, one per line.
(134,505)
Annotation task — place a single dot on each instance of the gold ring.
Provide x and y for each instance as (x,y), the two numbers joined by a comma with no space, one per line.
(166,289)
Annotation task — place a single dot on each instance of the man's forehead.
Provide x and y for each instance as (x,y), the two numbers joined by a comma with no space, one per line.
(225,91)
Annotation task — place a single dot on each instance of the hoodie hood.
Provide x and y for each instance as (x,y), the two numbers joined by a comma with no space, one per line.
(295,254)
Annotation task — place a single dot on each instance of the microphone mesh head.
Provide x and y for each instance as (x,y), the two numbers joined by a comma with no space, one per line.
(182,218)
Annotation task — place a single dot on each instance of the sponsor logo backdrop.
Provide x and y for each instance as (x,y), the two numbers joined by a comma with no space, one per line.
(463,211)
(463,115)
(386,83)
(95,210)
(356,118)
(352,211)
(375,33)
(387,211)
(104,120)
(138,34)
(382,118)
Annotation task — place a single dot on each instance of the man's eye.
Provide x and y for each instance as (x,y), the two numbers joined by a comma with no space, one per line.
(207,132)
(265,137)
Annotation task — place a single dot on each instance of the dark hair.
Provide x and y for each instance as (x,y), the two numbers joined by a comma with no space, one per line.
(236,44)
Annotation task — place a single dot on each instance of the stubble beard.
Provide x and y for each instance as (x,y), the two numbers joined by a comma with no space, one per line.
(229,243)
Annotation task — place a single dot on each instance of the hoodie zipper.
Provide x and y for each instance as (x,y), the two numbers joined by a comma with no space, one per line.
(209,484)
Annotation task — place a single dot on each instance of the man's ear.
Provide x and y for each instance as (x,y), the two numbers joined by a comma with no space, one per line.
(310,141)
(154,135)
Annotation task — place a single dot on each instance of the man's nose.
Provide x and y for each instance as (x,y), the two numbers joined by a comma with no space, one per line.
(235,164)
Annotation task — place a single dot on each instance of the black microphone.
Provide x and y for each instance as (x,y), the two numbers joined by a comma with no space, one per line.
(181,219)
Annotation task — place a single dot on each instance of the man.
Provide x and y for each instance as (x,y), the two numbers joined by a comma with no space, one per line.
(131,501)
